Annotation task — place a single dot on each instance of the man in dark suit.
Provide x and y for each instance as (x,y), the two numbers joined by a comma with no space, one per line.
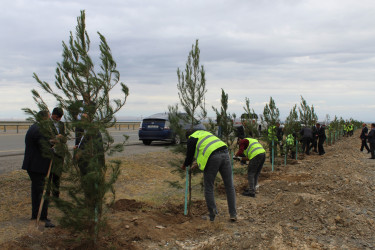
(371,139)
(37,161)
(59,142)
(322,137)
(363,138)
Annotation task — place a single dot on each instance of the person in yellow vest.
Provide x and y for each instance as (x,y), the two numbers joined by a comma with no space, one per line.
(211,156)
(290,145)
(351,129)
(250,149)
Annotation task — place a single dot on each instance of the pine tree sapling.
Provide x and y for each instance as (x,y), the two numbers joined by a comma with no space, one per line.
(84,93)
(271,118)
(191,92)
(225,122)
(249,120)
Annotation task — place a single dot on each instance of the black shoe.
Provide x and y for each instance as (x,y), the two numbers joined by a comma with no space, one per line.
(248,194)
(49,224)
(233,218)
(371,158)
(212,217)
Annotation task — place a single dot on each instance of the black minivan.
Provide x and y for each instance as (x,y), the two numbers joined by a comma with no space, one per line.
(157,128)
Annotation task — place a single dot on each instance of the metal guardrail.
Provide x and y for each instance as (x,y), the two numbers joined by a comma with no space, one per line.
(19,124)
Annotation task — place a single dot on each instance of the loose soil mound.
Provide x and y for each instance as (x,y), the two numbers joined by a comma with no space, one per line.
(323,202)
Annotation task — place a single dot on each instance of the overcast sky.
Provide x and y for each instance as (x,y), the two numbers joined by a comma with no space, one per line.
(323,50)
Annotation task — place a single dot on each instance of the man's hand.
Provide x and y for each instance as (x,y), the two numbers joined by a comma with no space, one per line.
(183,167)
(195,165)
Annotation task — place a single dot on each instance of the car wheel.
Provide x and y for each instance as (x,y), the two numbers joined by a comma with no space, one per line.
(147,142)
(176,140)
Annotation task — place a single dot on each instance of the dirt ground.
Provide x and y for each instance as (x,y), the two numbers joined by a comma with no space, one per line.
(322,202)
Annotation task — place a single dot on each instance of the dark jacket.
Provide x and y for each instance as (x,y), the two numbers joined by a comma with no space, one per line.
(321,133)
(306,132)
(363,133)
(33,160)
(279,134)
(371,136)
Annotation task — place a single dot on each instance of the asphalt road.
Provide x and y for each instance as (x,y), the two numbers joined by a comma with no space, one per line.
(12,147)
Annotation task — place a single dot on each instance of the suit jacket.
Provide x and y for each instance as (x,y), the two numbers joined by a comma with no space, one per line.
(321,133)
(306,132)
(371,136)
(34,160)
(363,133)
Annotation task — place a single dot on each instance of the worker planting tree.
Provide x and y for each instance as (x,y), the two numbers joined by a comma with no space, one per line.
(84,93)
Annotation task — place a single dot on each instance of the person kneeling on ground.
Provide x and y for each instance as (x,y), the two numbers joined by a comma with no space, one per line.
(212,157)
(251,149)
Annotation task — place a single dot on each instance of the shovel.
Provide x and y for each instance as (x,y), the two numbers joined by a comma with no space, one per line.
(42,200)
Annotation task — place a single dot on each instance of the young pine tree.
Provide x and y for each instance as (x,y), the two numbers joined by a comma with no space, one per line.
(191,92)
(271,116)
(249,120)
(307,114)
(83,92)
(225,121)
(292,125)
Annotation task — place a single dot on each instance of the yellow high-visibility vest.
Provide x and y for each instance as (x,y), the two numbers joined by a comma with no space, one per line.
(254,148)
(207,143)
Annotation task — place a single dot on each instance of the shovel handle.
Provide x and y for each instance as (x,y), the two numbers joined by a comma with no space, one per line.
(44,192)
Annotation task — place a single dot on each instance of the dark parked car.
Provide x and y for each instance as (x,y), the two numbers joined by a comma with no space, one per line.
(157,128)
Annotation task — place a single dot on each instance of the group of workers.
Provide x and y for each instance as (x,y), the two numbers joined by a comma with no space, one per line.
(310,137)
(45,147)
(210,152)
(348,129)
(212,157)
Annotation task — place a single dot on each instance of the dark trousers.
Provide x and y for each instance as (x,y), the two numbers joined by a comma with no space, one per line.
(219,162)
(314,143)
(55,180)
(37,186)
(306,145)
(321,146)
(364,145)
(292,149)
(372,149)
(253,171)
